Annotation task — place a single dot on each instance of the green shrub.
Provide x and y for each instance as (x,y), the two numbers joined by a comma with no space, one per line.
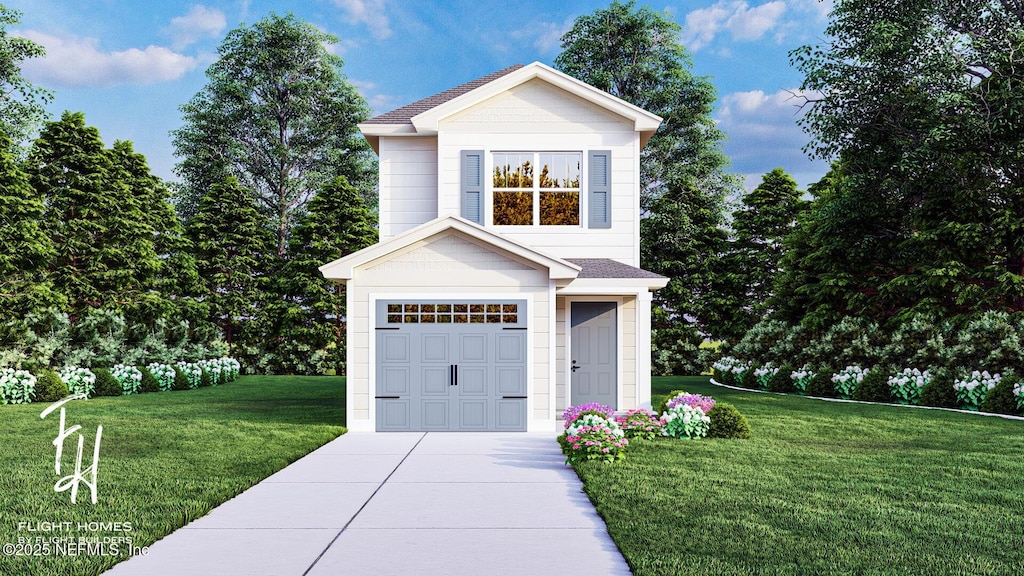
(49,387)
(1000,400)
(782,382)
(725,377)
(762,340)
(149,383)
(939,391)
(206,379)
(727,422)
(821,385)
(664,403)
(180,380)
(874,387)
(749,380)
(106,384)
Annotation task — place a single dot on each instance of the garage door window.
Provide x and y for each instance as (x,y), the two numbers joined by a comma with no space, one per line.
(447,313)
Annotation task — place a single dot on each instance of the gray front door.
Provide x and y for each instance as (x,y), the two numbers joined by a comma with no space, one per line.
(594,353)
(451,365)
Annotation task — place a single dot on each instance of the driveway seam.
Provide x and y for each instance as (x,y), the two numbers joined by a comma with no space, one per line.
(356,515)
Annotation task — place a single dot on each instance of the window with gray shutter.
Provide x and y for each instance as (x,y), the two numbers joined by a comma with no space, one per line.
(473,185)
(600,188)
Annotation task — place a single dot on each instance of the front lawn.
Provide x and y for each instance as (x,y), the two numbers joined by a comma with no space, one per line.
(822,488)
(166,458)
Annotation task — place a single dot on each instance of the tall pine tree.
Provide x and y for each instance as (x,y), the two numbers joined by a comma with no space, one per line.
(105,257)
(306,331)
(232,247)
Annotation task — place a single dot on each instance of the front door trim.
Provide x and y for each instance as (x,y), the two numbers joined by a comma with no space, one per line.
(567,368)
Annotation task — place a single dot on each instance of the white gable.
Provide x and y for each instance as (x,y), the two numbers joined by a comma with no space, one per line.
(448,253)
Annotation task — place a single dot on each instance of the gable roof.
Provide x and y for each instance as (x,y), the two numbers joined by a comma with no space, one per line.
(344,268)
(405,114)
(421,118)
(608,268)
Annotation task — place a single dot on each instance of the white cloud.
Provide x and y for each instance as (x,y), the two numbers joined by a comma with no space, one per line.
(549,34)
(200,23)
(79,62)
(369,12)
(735,16)
(763,134)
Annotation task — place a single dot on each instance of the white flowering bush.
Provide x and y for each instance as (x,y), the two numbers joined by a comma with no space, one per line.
(1018,393)
(685,421)
(215,369)
(79,380)
(907,384)
(229,368)
(764,375)
(129,377)
(16,386)
(164,374)
(594,437)
(192,371)
(801,378)
(731,370)
(847,380)
(971,390)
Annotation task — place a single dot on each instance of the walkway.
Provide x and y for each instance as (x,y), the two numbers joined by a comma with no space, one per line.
(400,503)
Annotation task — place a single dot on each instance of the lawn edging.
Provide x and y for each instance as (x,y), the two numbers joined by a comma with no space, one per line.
(841,400)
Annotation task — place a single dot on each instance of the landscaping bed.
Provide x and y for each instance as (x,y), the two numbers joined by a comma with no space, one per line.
(820,488)
(165,459)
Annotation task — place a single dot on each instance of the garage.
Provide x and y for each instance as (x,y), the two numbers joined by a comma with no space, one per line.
(451,365)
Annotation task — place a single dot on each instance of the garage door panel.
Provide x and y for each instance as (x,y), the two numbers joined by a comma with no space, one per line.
(393,414)
(473,414)
(510,414)
(472,380)
(394,380)
(434,380)
(473,347)
(434,414)
(510,380)
(435,348)
(395,347)
(511,347)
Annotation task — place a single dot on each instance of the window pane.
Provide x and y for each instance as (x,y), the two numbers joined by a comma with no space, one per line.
(513,208)
(560,208)
(394,318)
(394,308)
(560,170)
(513,171)
(427,308)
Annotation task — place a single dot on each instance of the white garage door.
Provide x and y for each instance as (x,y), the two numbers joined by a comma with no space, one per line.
(451,365)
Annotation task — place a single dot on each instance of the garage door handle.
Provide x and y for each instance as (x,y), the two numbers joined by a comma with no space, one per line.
(453,374)
(456,371)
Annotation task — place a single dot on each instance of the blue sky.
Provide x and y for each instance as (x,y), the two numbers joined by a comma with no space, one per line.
(129,64)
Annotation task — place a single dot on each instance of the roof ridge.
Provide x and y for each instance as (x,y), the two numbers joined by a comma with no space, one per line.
(405,114)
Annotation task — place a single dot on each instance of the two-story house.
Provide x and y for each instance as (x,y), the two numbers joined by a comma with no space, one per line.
(506,283)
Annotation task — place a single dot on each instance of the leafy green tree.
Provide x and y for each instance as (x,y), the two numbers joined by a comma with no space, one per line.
(307,330)
(278,115)
(22,105)
(25,250)
(922,103)
(753,260)
(634,53)
(105,255)
(232,247)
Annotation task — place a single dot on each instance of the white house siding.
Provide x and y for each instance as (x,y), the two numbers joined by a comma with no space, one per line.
(447,266)
(408,183)
(536,116)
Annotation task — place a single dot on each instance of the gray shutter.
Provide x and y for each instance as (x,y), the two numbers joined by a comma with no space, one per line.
(600,188)
(473,185)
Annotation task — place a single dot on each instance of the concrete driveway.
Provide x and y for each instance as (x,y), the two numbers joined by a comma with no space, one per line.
(400,503)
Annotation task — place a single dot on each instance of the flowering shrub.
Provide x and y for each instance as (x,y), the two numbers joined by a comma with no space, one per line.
(847,380)
(214,369)
(971,391)
(229,368)
(192,371)
(164,374)
(129,377)
(640,424)
(702,403)
(801,378)
(79,380)
(906,385)
(16,386)
(764,375)
(572,413)
(732,369)
(594,437)
(1018,392)
(685,421)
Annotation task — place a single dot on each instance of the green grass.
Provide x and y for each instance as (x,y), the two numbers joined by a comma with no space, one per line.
(165,458)
(822,488)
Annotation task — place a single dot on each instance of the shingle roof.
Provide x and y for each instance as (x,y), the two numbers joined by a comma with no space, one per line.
(405,114)
(608,268)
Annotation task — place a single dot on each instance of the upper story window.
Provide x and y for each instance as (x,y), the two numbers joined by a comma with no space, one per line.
(536,187)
